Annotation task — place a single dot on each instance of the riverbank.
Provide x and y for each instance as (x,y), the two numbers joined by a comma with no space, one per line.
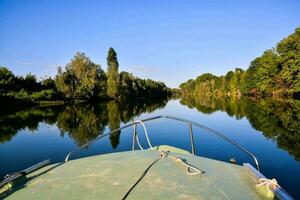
(11,104)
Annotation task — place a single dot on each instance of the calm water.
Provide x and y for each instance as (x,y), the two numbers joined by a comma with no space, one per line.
(270,129)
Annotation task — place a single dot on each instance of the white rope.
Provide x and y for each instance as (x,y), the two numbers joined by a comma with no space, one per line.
(271,184)
(137,139)
(146,133)
(188,166)
(163,154)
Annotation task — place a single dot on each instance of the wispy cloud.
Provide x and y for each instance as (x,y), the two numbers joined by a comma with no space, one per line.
(36,64)
(24,63)
(40,69)
(145,69)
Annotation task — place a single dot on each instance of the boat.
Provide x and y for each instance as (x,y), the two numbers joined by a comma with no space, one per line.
(151,172)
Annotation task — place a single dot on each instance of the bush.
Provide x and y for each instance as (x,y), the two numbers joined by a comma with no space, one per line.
(43,95)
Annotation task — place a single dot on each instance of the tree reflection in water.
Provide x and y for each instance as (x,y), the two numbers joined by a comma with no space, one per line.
(81,122)
(277,119)
(113,122)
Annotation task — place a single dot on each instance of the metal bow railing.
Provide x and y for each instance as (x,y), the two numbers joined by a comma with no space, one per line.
(188,122)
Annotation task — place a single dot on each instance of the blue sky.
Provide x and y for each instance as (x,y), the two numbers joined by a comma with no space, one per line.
(170,41)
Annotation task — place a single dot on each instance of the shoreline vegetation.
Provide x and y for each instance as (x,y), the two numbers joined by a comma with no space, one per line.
(79,81)
(276,73)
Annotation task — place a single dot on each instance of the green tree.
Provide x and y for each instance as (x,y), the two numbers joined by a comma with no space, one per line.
(6,79)
(49,83)
(80,79)
(289,63)
(30,80)
(261,73)
(126,84)
(228,80)
(112,73)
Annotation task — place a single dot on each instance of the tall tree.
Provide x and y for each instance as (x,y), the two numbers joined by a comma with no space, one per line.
(112,73)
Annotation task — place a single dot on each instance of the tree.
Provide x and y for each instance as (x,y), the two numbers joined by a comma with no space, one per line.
(6,79)
(30,83)
(112,73)
(126,82)
(289,63)
(80,79)
(49,83)
(229,78)
(261,73)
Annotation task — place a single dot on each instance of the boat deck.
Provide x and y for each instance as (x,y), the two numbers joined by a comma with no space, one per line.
(110,176)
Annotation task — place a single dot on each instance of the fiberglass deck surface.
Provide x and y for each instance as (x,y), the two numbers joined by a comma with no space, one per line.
(110,176)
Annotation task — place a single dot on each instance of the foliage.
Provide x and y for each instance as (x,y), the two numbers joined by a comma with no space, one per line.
(210,85)
(289,64)
(30,82)
(132,87)
(26,88)
(48,83)
(261,73)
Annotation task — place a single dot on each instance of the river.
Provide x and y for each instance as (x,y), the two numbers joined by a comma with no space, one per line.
(269,128)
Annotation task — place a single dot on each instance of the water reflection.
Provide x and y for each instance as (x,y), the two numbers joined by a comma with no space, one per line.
(113,123)
(81,122)
(277,119)
(10,124)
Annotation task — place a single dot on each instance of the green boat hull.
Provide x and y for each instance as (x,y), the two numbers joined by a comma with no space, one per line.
(110,176)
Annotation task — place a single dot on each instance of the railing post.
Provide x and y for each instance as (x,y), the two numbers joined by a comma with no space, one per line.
(134,137)
(192,137)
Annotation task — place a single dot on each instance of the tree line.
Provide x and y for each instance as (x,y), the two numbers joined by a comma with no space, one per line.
(275,73)
(81,78)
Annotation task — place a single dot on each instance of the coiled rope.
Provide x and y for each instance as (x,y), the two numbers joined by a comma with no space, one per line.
(191,170)
(271,184)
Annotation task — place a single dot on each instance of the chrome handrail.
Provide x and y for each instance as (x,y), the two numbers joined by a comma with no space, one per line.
(190,124)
